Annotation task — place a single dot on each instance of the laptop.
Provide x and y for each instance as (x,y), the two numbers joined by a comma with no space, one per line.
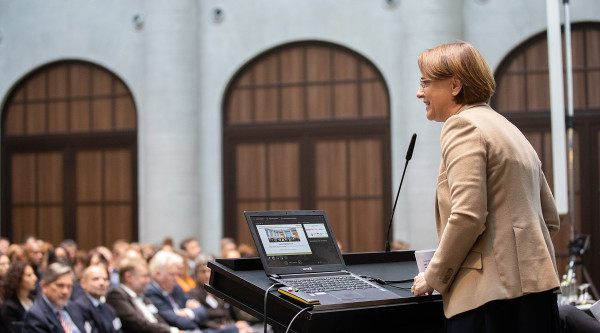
(298,249)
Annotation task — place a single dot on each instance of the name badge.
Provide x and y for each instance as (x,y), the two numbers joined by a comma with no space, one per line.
(211,301)
(152,308)
(117,324)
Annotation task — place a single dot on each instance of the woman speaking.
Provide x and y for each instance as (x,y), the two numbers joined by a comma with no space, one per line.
(495,214)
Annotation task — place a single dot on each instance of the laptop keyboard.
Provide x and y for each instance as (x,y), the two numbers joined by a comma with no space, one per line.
(328,283)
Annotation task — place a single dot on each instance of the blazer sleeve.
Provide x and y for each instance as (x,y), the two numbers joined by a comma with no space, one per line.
(549,210)
(131,319)
(167,312)
(465,158)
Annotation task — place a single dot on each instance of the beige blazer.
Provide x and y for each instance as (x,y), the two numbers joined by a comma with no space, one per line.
(495,214)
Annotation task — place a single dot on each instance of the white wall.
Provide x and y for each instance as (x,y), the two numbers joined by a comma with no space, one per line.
(180,61)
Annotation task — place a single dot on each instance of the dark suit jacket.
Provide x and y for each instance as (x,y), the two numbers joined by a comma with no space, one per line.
(165,309)
(102,322)
(131,316)
(12,311)
(41,318)
(219,315)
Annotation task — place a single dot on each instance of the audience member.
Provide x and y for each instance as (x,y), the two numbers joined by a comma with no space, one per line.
(19,283)
(190,251)
(247,251)
(4,266)
(16,253)
(136,312)
(167,245)
(34,254)
(70,246)
(227,244)
(4,245)
(219,312)
(184,280)
(168,297)
(79,263)
(573,320)
(94,282)
(52,311)
(147,251)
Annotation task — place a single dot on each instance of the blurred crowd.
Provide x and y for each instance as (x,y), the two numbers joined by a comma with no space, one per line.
(129,287)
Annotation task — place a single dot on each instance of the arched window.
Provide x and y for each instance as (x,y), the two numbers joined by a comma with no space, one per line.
(69,156)
(306,126)
(523,96)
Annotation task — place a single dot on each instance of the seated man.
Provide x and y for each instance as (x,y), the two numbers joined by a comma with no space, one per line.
(219,312)
(136,312)
(94,283)
(172,303)
(52,311)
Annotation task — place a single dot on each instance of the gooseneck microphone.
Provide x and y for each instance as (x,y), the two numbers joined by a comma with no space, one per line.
(409,153)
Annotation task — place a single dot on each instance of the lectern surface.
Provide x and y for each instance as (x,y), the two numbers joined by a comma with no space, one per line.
(243,283)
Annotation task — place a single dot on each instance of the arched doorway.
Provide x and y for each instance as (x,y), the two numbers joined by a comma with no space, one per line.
(306,126)
(69,157)
(523,96)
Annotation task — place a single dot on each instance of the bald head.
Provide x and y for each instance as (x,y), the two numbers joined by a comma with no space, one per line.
(94,281)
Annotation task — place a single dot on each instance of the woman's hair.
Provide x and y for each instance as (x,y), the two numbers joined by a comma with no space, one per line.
(12,279)
(463,61)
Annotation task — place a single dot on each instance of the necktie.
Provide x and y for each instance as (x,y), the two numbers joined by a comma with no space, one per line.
(64,325)
(173,304)
(106,320)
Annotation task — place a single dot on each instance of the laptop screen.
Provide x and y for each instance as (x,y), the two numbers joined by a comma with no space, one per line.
(294,241)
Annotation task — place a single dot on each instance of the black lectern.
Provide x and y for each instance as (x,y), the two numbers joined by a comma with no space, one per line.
(242,283)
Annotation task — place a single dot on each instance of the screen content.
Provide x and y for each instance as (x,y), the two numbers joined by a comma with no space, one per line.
(296,240)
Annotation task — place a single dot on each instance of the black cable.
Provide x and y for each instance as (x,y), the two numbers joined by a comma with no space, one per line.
(297,314)
(276,284)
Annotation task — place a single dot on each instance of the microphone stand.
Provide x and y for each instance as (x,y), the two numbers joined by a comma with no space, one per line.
(409,153)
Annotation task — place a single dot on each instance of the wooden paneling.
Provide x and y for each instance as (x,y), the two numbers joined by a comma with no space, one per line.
(296,96)
(61,181)
(520,103)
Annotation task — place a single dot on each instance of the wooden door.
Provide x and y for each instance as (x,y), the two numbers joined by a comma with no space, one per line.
(306,126)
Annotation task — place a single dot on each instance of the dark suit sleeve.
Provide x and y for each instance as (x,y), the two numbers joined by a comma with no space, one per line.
(166,310)
(131,319)
(11,312)
(35,321)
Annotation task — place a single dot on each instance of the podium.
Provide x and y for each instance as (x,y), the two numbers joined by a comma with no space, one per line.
(243,283)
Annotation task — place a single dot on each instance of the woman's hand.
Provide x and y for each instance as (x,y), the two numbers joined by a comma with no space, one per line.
(420,286)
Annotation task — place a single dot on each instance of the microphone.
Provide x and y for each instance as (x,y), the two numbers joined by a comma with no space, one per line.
(409,153)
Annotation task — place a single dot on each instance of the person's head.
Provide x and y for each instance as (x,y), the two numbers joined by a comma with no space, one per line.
(164,268)
(4,244)
(453,75)
(94,281)
(57,283)
(202,272)
(190,247)
(59,254)
(33,252)
(20,276)
(134,274)
(16,253)
(227,244)
(70,246)
(4,264)
(95,258)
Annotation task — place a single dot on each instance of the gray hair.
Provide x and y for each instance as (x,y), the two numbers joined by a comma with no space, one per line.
(162,259)
(55,271)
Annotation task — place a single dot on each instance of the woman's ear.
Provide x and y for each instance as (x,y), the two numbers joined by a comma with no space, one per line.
(456,86)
